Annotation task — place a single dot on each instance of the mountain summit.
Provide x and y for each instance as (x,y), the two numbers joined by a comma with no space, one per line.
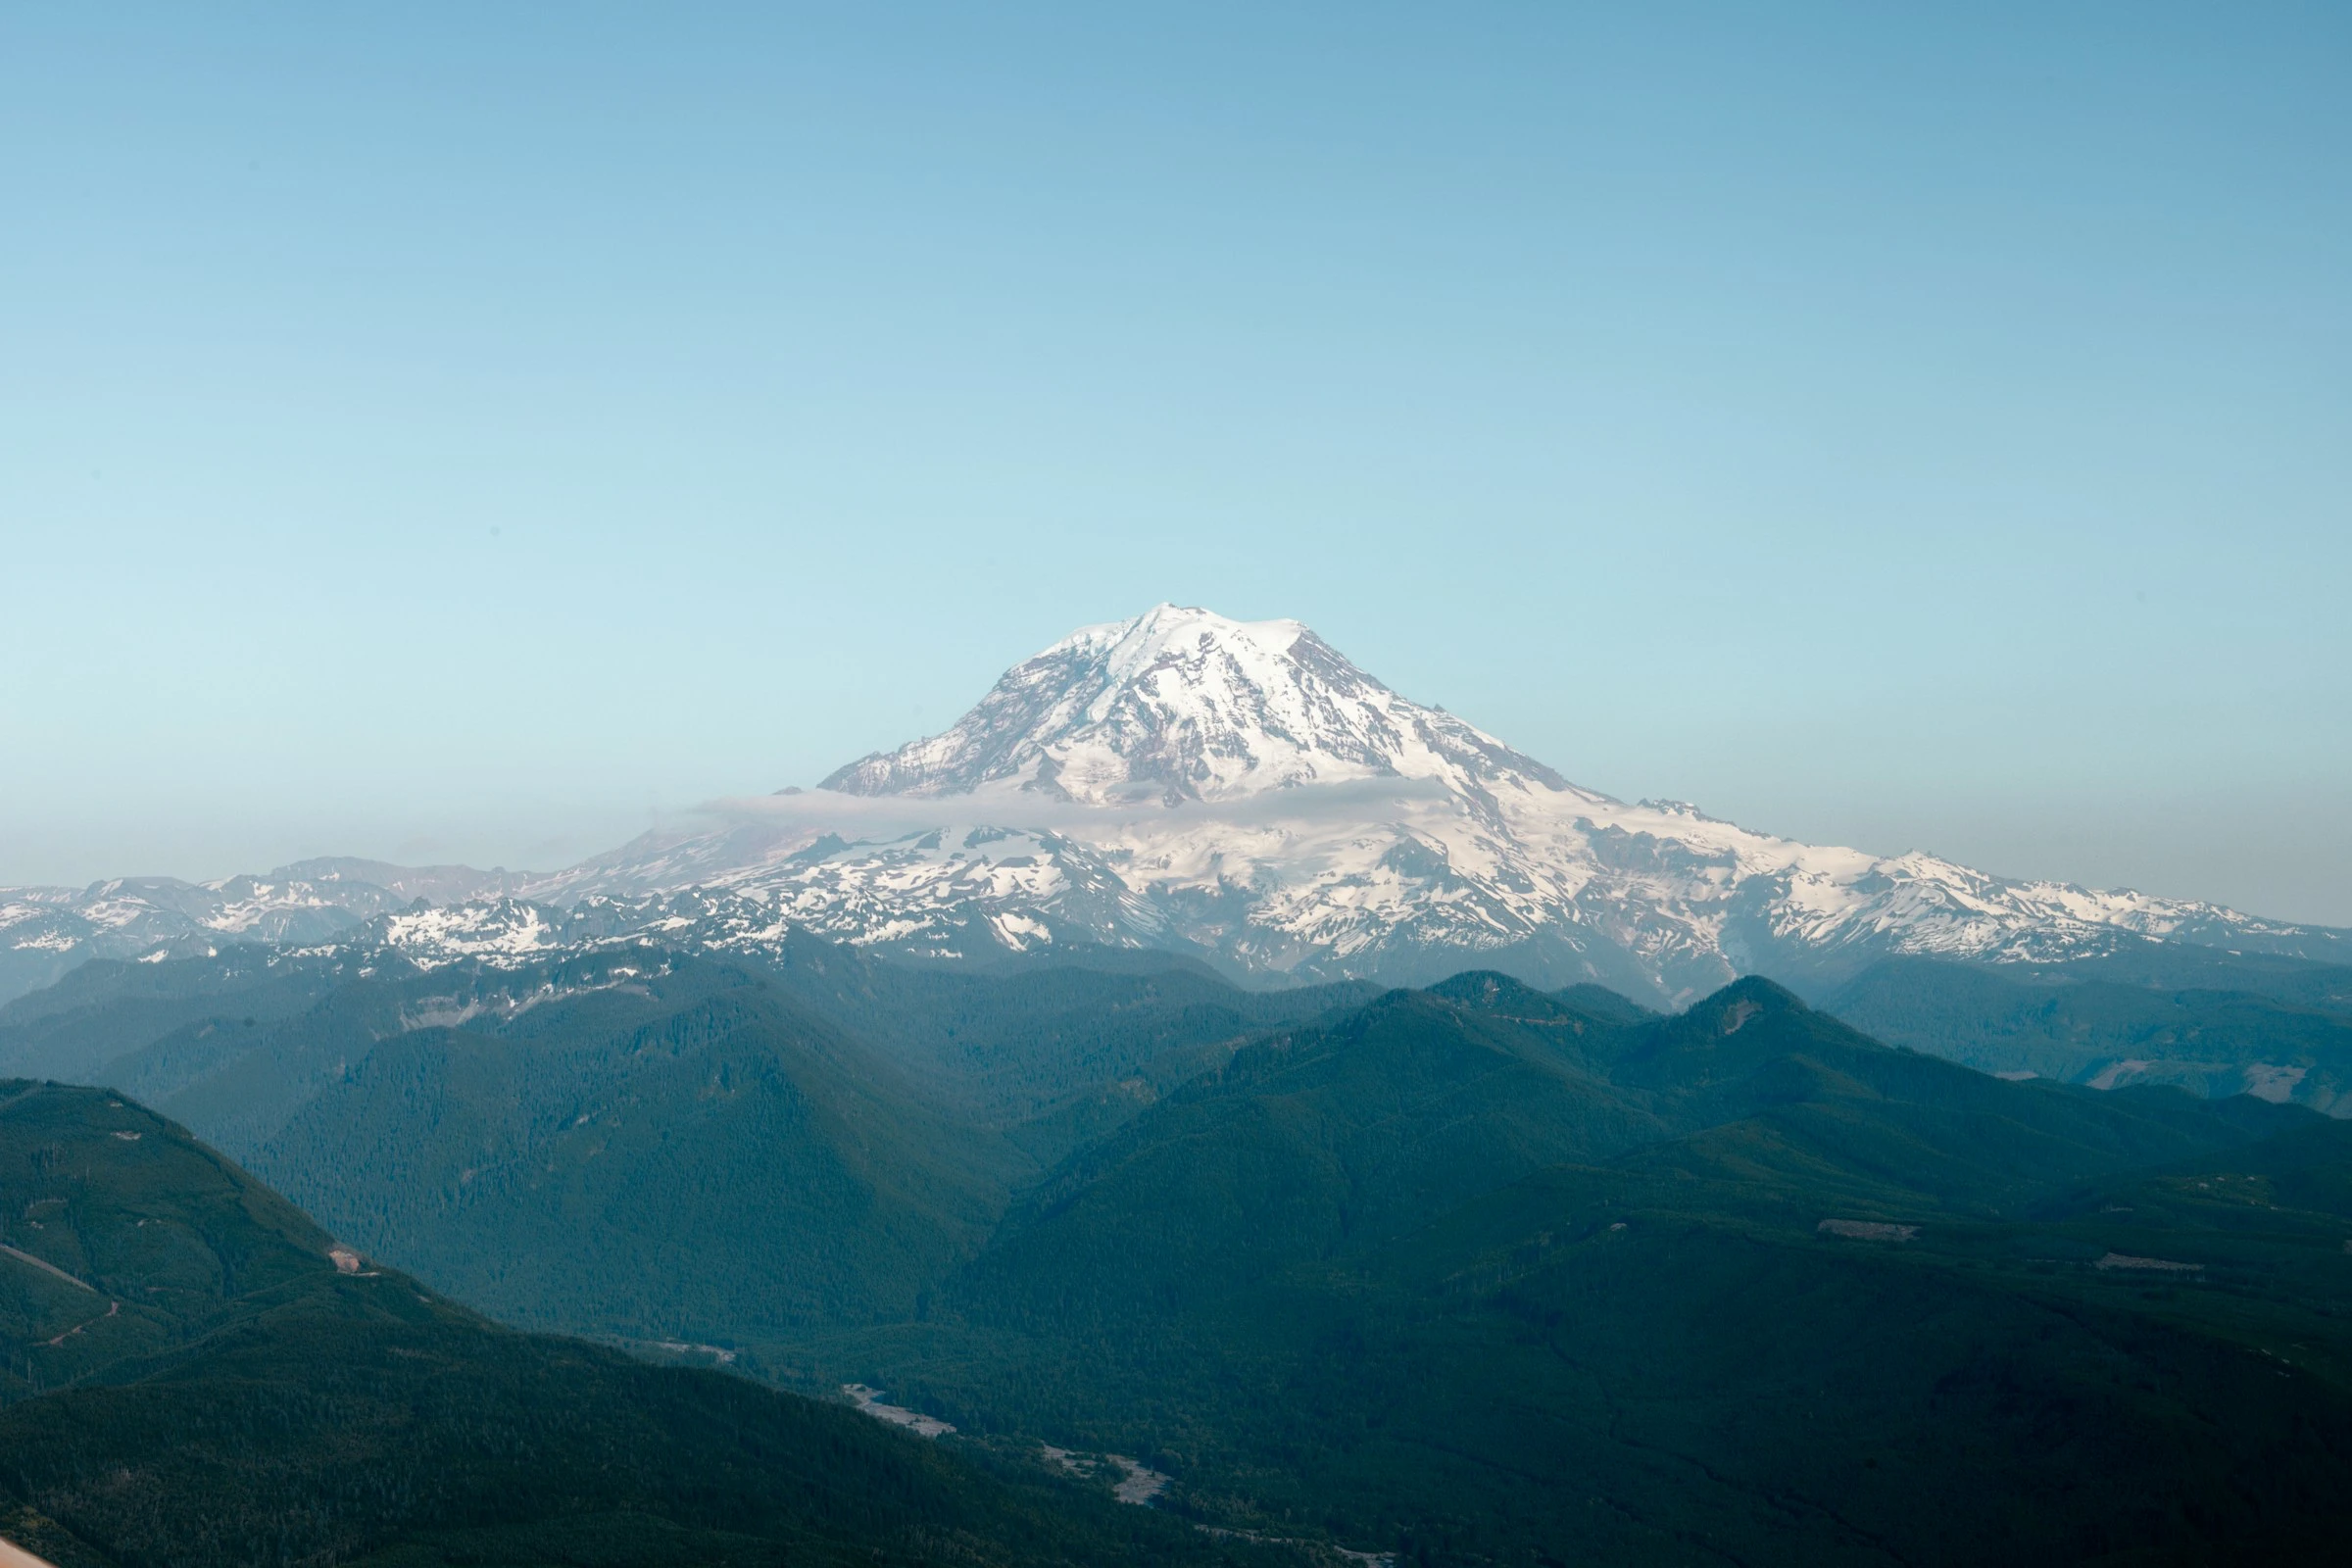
(1232,726)
(1182,703)
(1237,791)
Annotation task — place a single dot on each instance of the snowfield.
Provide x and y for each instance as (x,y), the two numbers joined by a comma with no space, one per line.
(1235,790)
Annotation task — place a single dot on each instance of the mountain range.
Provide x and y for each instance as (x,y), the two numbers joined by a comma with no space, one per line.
(962,1077)
(1238,792)
(1473,1274)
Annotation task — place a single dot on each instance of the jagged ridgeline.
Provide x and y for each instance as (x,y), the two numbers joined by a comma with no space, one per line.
(197,1374)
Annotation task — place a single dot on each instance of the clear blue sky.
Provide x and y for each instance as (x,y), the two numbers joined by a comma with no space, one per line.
(437,434)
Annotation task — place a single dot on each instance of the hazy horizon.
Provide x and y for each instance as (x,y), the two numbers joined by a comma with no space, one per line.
(453,438)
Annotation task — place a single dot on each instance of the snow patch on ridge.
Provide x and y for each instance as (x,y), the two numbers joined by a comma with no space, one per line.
(1179,780)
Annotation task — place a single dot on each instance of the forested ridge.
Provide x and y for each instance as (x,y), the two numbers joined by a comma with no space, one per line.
(1473,1274)
(197,1377)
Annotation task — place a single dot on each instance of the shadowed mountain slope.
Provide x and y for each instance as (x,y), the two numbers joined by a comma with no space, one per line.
(1480,1274)
(1322,1140)
(1472,1274)
(193,1378)
(651,1145)
(690,1152)
(1304,1145)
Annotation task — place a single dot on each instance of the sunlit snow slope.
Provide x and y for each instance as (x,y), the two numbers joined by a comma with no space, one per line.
(1243,789)
(1235,790)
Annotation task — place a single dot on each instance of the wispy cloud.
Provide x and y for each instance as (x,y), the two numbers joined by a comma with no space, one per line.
(862,816)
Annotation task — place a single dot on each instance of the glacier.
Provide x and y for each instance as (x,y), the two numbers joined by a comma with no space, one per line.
(1235,791)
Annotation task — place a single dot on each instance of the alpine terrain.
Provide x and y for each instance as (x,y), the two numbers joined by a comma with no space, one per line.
(1235,791)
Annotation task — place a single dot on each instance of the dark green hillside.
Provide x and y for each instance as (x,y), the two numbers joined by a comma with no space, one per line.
(1718,1376)
(1018,1044)
(1765,1081)
(239,1085)
(649,1145)
(128,1237)
(688,1154)
(102,1010)
(1481,1274)
(1317,1142)
(1052,1051)
(1306,1144)
(1654,1352)
(2271,1027)
(207,1387)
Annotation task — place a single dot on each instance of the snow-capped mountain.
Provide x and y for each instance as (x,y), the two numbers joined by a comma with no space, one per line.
(1182,705)
(1235,790)
(45,931)
(1282,808)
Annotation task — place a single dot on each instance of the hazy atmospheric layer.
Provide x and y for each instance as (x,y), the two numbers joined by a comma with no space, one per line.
(1235,790)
